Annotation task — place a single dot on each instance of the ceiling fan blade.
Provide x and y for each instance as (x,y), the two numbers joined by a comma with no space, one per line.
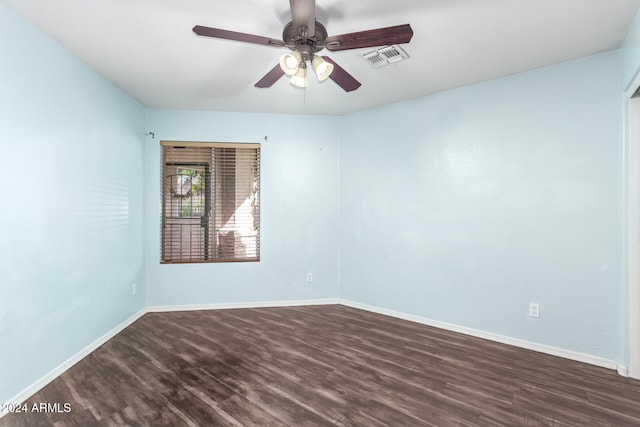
(378,37)
(345,80)
(234,35)
(303,12)
(271,77)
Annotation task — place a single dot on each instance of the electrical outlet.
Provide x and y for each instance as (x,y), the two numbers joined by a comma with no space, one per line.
(534,309)
(309,277)
(134,289)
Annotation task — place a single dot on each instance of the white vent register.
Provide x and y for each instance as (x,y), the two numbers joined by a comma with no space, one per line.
(385,56)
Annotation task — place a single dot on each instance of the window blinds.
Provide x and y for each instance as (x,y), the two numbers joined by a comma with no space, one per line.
(210,202)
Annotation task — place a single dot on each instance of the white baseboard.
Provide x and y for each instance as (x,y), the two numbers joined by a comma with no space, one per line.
(542,348)
(60,369)
(568,354)
(623,370)
(256,304)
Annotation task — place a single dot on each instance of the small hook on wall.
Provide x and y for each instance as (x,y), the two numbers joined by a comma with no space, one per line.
(153,135)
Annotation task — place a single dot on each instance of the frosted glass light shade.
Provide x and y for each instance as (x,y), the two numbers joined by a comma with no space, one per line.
(322,68)
(289,62)
(299,79)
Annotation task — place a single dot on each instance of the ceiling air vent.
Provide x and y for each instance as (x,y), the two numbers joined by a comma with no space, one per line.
(385,56)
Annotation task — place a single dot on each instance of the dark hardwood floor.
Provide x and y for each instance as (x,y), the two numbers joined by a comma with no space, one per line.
(323,365)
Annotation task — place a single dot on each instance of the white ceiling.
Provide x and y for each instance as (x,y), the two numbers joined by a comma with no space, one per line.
(147,48)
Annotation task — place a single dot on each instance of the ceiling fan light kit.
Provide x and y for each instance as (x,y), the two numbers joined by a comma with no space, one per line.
(290,62)
(293,65)
(305,36)
(322,68)
(299,79)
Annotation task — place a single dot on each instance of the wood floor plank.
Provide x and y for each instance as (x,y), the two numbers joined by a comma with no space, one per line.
(324,366)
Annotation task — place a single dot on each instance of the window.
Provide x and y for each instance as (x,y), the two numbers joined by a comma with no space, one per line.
(210,202)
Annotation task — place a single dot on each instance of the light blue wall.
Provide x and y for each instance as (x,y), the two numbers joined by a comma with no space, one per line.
(465,206)
(462,207)
(631,52)
(71,159)
(299,210)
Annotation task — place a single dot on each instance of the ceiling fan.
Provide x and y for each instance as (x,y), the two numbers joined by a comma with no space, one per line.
(305,36)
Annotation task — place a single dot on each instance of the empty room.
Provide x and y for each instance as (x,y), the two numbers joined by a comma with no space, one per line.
(362,213)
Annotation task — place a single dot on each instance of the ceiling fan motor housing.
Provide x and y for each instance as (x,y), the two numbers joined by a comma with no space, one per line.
(296,39)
